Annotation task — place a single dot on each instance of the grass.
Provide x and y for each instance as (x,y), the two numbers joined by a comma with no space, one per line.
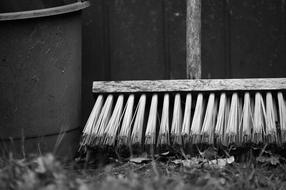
(48,173)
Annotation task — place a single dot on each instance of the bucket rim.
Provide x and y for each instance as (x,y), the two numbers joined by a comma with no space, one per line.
(44,12)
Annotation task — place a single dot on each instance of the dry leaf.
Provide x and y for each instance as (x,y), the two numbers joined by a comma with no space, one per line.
(273,160)
(193,162)
(221,162)
(140,160)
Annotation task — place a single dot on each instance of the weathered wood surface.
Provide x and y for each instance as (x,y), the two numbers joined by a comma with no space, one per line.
(193,37)
(189,85)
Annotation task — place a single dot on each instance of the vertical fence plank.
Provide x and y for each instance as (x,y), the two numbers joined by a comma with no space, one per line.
(213,39)
(257,39)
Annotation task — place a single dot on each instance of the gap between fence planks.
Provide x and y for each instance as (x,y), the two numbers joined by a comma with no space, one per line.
(189,85)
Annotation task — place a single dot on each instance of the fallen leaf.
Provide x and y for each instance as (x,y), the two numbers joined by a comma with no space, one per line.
(140,160)
(192,162)
(209,153)
(221,162)
(177,161)
(165,153)
(273,160)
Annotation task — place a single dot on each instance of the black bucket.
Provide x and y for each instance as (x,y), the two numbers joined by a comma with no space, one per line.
(40,80)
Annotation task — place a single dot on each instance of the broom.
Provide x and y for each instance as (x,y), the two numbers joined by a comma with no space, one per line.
(224,112)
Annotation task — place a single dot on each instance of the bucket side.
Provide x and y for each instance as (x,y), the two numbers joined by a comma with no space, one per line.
(40,80)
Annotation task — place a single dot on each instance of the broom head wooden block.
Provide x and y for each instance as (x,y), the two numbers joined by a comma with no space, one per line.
(179,112)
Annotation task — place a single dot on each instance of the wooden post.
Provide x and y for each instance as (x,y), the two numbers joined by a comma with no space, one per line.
(193,37)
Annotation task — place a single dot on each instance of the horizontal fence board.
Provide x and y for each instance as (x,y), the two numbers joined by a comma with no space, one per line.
(189,85)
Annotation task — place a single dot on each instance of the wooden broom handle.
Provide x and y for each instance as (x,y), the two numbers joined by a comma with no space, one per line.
(193,39)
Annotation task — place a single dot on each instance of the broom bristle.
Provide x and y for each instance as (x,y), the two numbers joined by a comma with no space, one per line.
(114,123)
(103,120)
(209,121)
(163,137)
(89,131)
(187,120)
(150,134)
(222,118)
(137,132)
(176,128)
(124,134)
(233,119)
(271,118)
(197,120)
(246,120)
(259,119)
(282,116)
(231,131)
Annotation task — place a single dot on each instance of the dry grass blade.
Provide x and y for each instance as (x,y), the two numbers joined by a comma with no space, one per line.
(187,119)
(282,116)
(271,118)
(114,122)
(150,134)
(197,120)
(103,120)
(259,119)
(232,131)
(222,118)
(208,127)
(163,137)
(246,124)
(89,131)
(137,132)
(176,127)
(125,131)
